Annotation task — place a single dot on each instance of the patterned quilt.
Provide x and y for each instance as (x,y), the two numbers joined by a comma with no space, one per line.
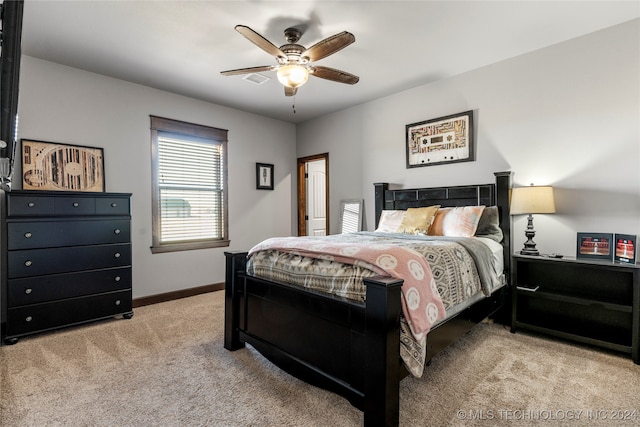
(438,273)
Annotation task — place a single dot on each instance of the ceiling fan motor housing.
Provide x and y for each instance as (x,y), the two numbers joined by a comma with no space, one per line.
(293,52)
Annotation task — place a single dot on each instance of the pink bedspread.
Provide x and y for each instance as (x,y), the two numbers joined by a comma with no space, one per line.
(421,303)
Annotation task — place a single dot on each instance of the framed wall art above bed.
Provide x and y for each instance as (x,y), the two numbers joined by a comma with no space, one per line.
(447,139)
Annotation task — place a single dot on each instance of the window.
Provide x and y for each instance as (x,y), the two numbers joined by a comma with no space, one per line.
(189,166)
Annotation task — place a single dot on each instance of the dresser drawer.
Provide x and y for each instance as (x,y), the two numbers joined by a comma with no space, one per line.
(44,234)
(113,206)
(74,205)
(41,317)
(32,290)
(27,205)
(35,262)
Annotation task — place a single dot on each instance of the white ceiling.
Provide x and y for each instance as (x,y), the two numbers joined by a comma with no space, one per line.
(181,46)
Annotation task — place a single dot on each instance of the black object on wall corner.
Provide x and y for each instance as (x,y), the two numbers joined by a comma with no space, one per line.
(11,38)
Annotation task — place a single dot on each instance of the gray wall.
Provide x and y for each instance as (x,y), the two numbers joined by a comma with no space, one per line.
(63,104)
(567,115)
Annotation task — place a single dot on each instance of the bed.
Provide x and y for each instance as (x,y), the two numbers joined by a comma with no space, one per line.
(348,346)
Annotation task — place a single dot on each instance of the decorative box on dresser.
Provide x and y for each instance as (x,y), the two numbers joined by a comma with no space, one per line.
(66,259)
(592,302)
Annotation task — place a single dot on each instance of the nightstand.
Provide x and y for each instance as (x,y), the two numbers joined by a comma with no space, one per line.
(591,302)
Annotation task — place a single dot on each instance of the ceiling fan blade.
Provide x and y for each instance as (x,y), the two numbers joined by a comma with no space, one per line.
(260,41)
(290,91)
(334,75)
(247,70)
(328,46)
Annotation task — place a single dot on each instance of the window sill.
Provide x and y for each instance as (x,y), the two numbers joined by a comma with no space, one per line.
(175,247)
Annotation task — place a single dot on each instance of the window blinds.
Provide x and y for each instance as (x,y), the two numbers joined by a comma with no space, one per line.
(190,181)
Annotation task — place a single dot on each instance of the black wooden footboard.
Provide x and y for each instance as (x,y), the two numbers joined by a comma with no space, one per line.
(337,344)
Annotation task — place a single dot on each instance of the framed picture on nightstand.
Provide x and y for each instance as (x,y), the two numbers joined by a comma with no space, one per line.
(596,246)
(625,251)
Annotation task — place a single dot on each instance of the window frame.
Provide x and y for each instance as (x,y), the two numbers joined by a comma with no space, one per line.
(177,127)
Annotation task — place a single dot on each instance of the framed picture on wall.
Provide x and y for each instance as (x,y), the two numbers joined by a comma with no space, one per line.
(438,141)
(598,246)
(264,176)
(61,167)
(625,248)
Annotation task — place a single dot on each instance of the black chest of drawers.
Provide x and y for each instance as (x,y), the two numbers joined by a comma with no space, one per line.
(66,260)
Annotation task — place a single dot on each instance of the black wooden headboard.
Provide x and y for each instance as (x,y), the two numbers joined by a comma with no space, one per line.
(496,194)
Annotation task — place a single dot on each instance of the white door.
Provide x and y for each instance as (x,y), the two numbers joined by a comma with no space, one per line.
(316,198)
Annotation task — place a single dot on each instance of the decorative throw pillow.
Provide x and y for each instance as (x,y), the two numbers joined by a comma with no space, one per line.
(418,220)
(390,221)
(438,222)
(489,224)
(456,222)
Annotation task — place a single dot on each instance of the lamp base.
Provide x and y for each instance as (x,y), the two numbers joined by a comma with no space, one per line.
(530,245)
(532,252)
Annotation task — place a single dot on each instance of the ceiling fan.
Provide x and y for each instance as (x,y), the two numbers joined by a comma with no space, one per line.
(294,60)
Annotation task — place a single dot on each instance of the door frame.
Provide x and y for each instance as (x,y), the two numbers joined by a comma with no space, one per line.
(302,191)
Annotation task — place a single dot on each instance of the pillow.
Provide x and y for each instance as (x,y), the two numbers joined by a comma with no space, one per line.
(456,222)
(489,224)
(438,221)
(390,221)
(418,220)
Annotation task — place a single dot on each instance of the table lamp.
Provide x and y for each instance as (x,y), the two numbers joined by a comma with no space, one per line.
(531,200)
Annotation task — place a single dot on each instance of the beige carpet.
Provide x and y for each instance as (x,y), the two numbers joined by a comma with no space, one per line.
(167,367)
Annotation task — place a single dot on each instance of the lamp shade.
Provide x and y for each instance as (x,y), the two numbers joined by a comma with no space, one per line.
(293,75)
(532,200)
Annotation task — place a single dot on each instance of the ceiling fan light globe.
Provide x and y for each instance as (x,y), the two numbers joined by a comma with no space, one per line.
(293,75)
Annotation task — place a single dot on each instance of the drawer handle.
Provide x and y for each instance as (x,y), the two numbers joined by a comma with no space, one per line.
(28,263)
(114,205)
(117,255)
(28,235)
(31,204)
(117,302)
(28,318)
(76,204)
(117,279)
(521,288)
(116,231)
(28,291)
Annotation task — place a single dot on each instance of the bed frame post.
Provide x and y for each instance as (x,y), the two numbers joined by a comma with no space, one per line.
(382,360)
(235,263)
(503,197)
(380,188)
